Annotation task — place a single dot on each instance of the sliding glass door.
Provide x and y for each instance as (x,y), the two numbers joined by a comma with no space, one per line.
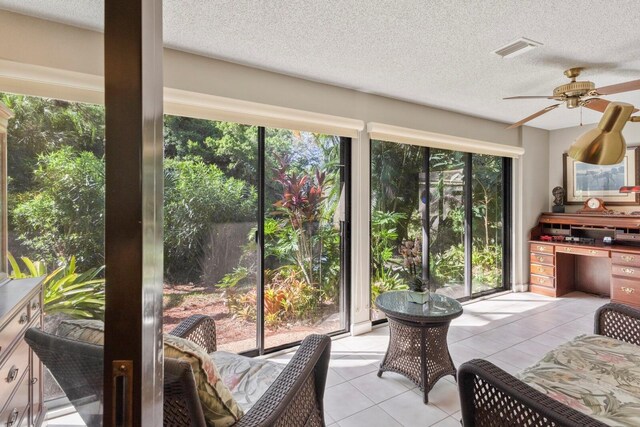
(488,225)
(305,203)
(446,221)
(438,215)
(264,253)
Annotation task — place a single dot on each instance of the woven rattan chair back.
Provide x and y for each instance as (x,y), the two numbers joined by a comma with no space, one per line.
(78,369)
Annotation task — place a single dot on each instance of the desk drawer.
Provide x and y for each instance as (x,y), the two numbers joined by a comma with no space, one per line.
(542,281)
(12,370)
(582,251)
(542,259)
(626,291)
(622,258)
(625,271)
(541,248)
(12,329)
(544,270)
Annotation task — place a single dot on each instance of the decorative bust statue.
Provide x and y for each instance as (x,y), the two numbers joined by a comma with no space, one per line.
(558,199)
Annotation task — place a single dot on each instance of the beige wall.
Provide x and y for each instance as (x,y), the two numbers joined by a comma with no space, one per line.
(559,142)
(32,41)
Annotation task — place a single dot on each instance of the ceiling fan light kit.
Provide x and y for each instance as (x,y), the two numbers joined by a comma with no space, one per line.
(605,144)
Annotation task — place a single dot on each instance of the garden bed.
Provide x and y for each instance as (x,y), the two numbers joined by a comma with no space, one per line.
(233,333)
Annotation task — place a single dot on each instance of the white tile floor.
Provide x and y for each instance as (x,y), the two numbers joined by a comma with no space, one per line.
(512,330)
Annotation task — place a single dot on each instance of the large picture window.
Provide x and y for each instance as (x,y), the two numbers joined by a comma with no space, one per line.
(439,215)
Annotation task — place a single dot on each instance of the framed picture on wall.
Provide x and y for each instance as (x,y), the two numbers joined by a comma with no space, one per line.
(583,180)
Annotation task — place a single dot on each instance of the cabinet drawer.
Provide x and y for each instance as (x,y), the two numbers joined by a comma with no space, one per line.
(12,370)
(625,271)
(544,270)
(542,259)
(622,258)
(542,281)
(16,409)
(626,291)
(541,248)
(582,251)
(13,329)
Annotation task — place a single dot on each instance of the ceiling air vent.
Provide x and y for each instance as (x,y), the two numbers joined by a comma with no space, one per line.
(517,47)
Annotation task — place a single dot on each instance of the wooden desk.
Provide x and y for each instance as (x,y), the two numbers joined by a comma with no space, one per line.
(557,268)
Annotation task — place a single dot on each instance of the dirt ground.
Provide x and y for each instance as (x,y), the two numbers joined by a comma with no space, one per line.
(234,334)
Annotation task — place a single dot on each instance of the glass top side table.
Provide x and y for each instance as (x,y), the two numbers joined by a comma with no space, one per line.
(418,337)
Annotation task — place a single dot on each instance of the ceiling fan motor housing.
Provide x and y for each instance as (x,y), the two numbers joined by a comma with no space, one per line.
(574,90)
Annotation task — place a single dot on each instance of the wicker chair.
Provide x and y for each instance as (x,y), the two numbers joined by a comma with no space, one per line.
(491,397)
(294,399)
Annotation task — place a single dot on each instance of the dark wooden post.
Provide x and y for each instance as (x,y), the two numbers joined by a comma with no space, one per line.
(133,234)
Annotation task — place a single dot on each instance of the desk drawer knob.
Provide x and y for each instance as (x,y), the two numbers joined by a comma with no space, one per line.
(13,374)
(13,417)
(541,258)
(628,270)
(626,290)
(568,249)
(628,258)
(541,248)
(592,252)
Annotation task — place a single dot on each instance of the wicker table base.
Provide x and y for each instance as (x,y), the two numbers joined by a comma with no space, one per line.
(418,351)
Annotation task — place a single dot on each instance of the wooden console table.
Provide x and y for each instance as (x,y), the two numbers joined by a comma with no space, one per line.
(610,270)
(21,390)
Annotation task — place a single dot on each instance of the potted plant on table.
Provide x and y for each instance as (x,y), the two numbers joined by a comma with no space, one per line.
(412,259)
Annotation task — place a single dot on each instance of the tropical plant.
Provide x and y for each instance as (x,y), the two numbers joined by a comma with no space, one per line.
(66,291)
(301,208)
(384,235)
(287,298)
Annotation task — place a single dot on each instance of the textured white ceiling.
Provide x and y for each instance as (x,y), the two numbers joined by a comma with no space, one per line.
(436,53)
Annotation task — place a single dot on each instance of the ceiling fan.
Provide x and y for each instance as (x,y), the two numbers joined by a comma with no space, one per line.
(578,94)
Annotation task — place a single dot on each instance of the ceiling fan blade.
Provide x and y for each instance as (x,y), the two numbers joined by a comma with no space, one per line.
(531,97)
(620,87)
(597,104)
(600,105)
(533,116)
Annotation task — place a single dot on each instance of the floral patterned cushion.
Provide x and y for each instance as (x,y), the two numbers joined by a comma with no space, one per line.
(247,378)
(219,407)
(593,374)
(90,331)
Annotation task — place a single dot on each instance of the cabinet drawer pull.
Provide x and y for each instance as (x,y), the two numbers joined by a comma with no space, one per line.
(13,374)
(626,290)
(13,417)
(628,258)
(568,249)
(541,248)
(23,319)
(628,270)
(592,252)
(541,258)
